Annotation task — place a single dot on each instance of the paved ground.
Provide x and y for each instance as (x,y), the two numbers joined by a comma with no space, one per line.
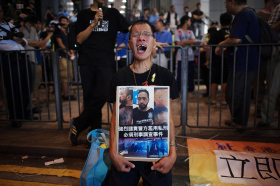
(42,138)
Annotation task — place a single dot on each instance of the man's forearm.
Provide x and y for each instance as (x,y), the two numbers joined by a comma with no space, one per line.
(45,41)
(172,150)
(276,26)
(82,36)
(113,148)
(231,41)
(34,43)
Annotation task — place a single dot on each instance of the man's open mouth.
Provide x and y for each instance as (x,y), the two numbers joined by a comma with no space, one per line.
(141,48)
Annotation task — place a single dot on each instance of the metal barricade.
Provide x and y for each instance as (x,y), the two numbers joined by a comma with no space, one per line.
(21,91)
(193,113)
(213,117)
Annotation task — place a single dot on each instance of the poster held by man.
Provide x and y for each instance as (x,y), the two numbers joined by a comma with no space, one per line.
(142,124)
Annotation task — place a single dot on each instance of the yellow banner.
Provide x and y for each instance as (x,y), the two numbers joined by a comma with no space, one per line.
(216,162)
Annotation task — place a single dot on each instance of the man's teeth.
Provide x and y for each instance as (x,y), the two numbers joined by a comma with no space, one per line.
(141,48)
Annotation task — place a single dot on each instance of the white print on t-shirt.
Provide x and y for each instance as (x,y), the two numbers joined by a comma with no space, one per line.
(104,28)
(150,115)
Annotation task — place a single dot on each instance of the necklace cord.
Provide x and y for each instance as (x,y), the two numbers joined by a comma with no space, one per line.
(135,77)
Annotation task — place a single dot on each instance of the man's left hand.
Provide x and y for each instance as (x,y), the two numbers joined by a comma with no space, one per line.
(165,164)
(159,45)
(18,40)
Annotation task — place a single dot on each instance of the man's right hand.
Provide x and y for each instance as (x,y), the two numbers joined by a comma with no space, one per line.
(120,163)
(98,15)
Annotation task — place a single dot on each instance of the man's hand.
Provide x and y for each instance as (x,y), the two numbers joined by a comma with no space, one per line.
(98,15)
(50,31)
(18,40)
(218,50)
(159,45)
(165,164)
(207,64)
(22,15)
(120,163)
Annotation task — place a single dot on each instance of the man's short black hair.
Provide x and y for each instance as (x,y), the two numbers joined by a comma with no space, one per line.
(161,21)
(197,4)
(225,19)
(140,22)
(184,19)
(146,9)
(171,6)
(62,17)
(3,8)
(60,6)
(186,7)
(143,90)
(241,2)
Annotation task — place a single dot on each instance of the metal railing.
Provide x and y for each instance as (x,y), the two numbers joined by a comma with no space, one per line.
(54,110)
(217,123)
(16,91)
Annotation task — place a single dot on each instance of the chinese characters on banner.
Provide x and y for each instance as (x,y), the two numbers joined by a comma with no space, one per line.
(233,162)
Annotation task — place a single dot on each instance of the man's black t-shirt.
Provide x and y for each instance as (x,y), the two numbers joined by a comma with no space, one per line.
(216,38)
(159,76)
(98,49)
(198,13)
(60,34)
(141,118)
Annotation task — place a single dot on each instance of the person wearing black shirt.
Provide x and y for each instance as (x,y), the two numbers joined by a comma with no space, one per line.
(216,38)
(143,115)
(96,60)
(197,20)
(61,41)
(141,72)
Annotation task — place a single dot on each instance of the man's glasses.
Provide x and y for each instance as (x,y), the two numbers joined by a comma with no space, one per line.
(144,34)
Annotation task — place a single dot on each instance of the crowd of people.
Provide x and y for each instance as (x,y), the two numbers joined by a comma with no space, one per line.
(21,29)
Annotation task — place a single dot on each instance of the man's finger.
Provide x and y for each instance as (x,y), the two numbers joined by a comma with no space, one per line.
(125,169)
(129,164)
(156,166)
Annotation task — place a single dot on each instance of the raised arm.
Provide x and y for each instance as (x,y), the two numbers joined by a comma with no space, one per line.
(82,36)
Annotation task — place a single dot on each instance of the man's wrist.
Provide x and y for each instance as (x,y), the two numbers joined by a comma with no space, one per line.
(93,25)
(24,42)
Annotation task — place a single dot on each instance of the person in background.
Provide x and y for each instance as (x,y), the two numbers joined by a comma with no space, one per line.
(204,66)
(185,38)
(242,70)
(122,39)
(269,6)
(48,15)
(66,66)
(63,12)
(172,18)
(153,17)
(162,36)
(197,20)
(73,18)
(17,98)
(273,93)
(265,14)
(216,68)
(187,11)
(97,63)
(54,21)
(145,16)
(215,24)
